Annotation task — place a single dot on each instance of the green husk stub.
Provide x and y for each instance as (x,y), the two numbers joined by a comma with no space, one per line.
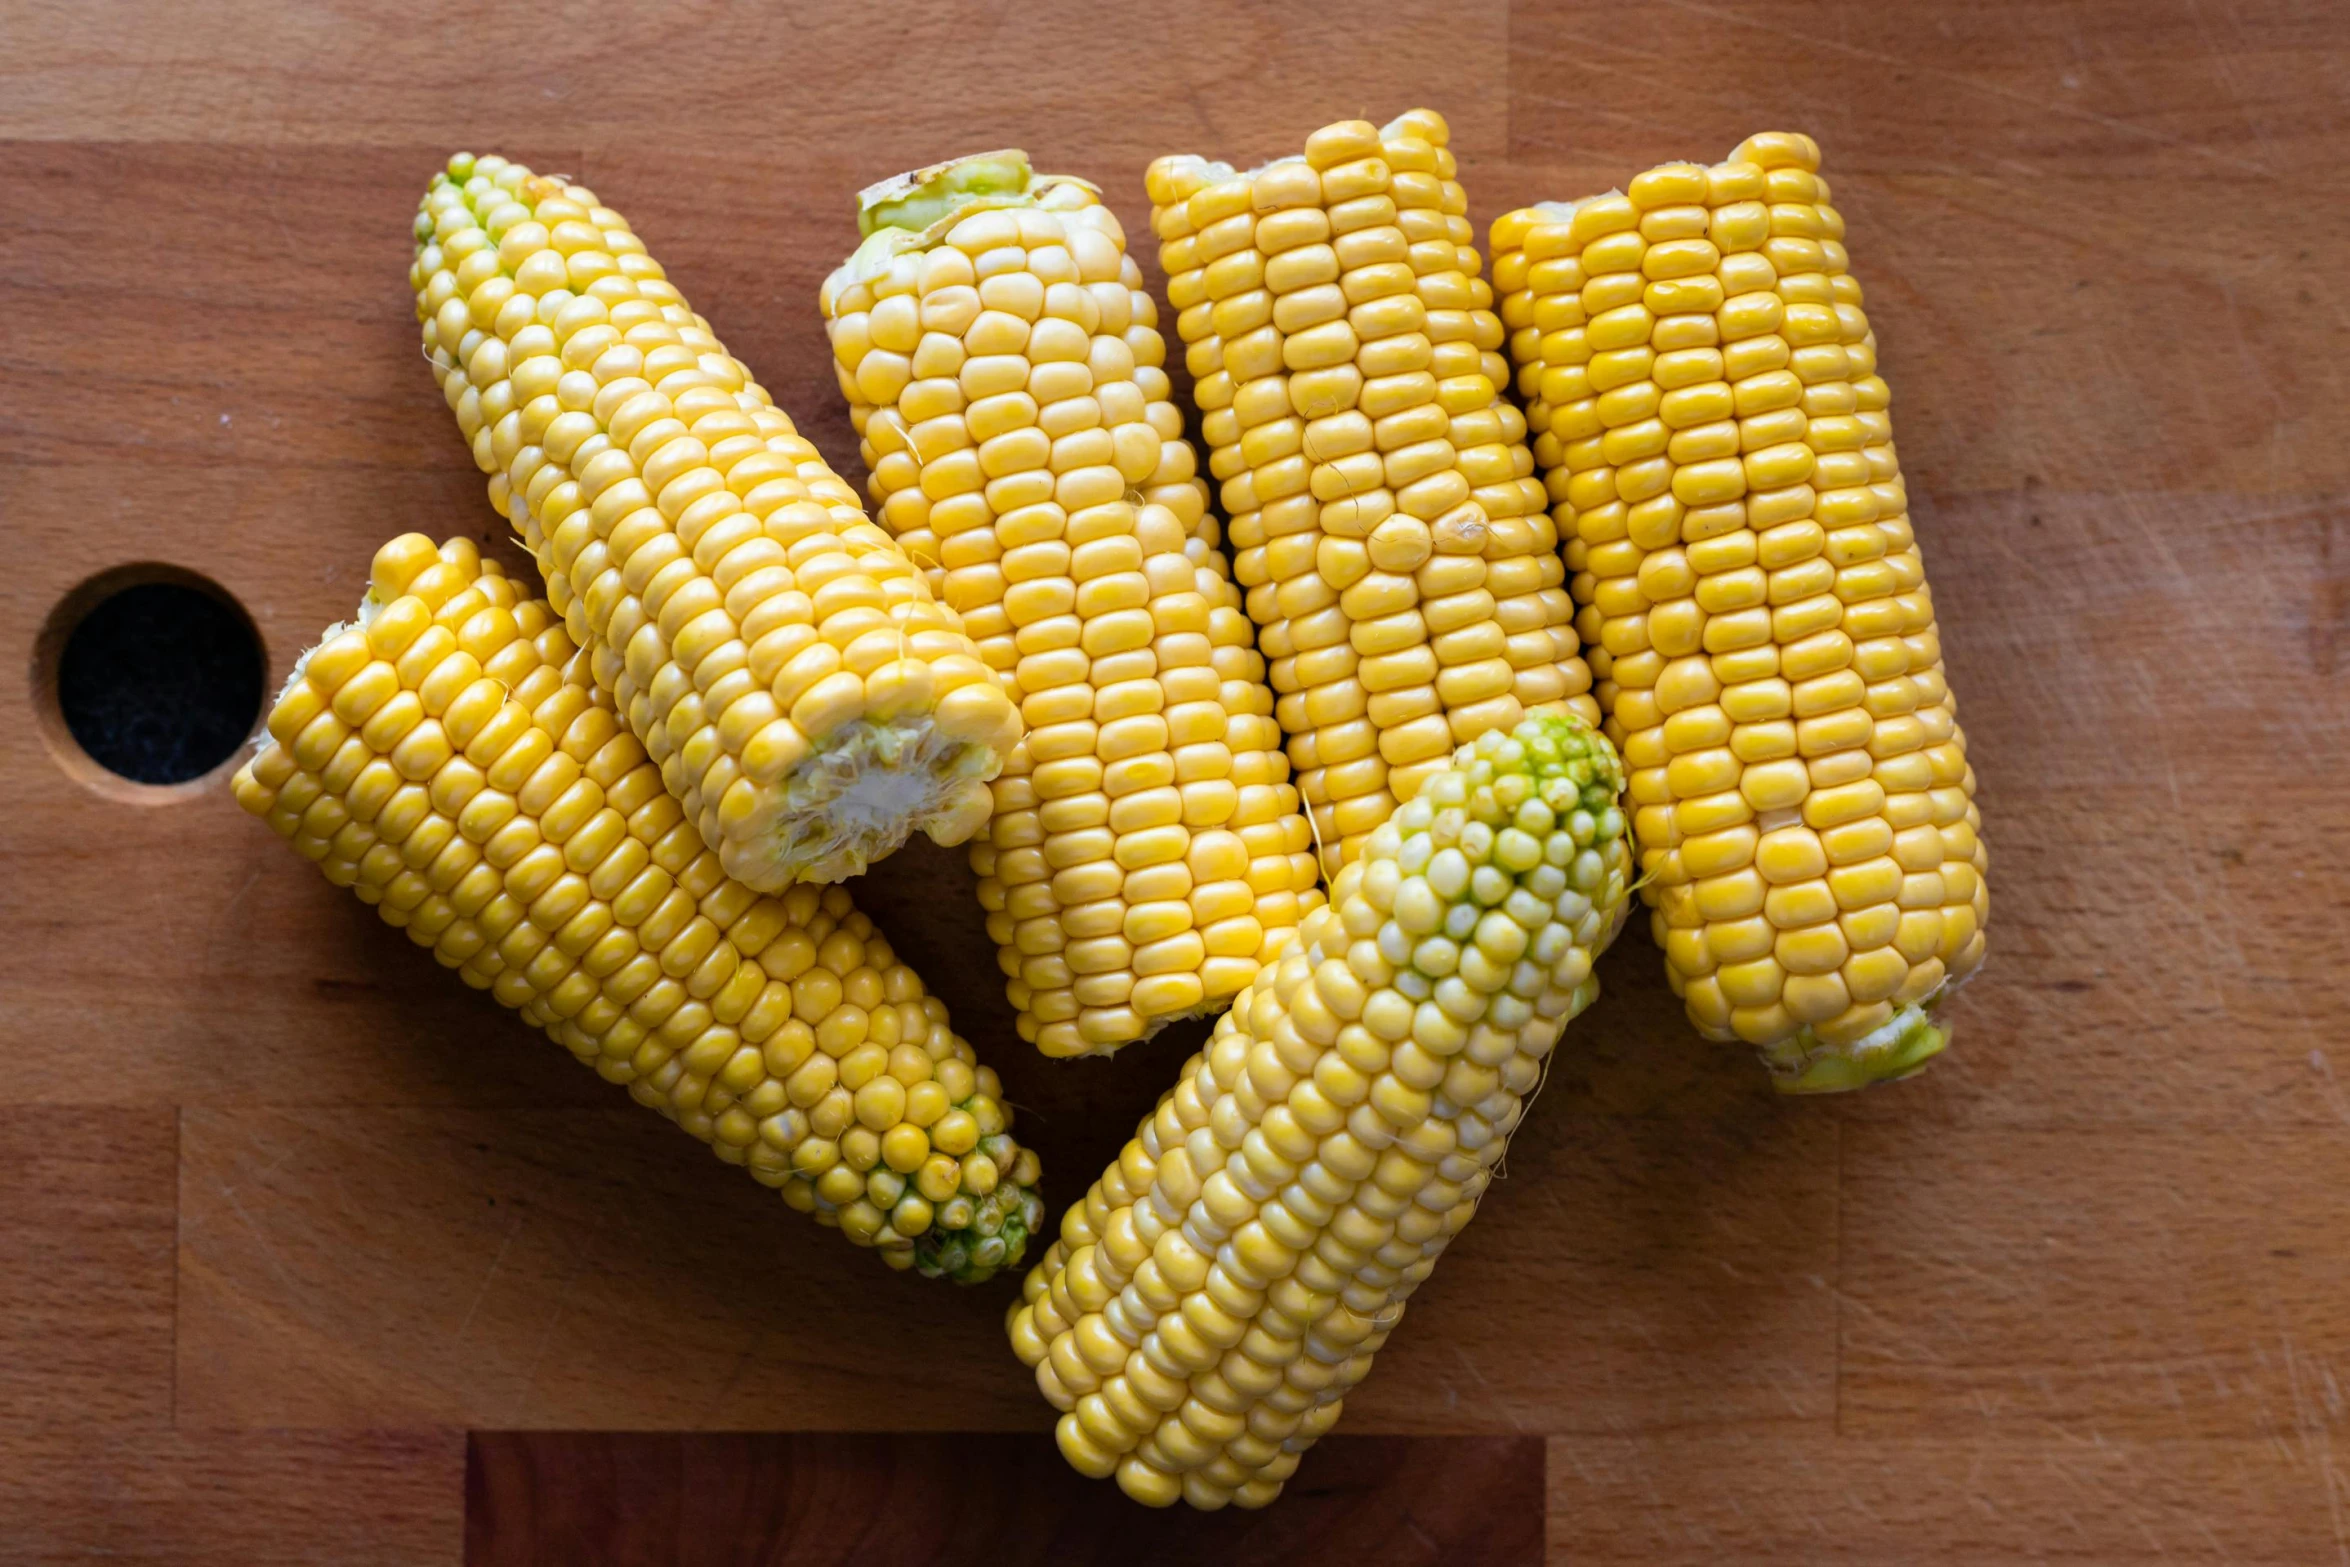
(914,210)
(914,201)
(1803,1065)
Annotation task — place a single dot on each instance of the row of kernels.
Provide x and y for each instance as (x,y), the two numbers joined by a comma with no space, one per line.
(1028,358)
(1231,1277)
(437,761)
(1715,436)
(744,611)
(1346,373)
(1146,853)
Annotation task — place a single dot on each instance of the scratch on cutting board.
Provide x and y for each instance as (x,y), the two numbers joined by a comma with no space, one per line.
(2323,1066)
(285,1157)
(261,1239)
(2316,1434)
(1904,1339)
(2216,936)
(513,1228)
(222,930)
(2123,1495)
(2220,68)
(1508,1411)
(191,1223)
(2261,366)
(560,1293)
(1787,1383)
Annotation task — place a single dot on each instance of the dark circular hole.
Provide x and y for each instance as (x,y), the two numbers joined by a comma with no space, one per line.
(160,682)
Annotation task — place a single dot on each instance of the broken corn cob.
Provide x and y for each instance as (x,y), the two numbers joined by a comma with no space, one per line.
(1147,854)
(1227,1281)
(1396,550)
(777,655)
(1708,414)
(440,759)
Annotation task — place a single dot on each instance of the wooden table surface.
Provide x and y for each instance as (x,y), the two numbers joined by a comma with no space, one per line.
(302,1245)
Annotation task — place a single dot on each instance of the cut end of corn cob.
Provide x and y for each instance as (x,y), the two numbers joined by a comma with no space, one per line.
(1226,1282)
(777,655)
(1702,386)
(1393,541)
(447,756)
(1147,853)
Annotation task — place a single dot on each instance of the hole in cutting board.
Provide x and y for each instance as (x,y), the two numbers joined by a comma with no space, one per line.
(148,678)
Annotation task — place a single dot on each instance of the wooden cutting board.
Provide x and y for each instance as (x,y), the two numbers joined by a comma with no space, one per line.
(306,1253)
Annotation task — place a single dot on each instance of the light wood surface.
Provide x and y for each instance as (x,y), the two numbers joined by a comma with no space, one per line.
(285,1212)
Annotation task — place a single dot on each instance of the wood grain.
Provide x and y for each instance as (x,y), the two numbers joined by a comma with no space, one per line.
(2184,1284)
(566,1499)
(284,1211)
(591,1268)
(584,1268)
(86,1285)
(1699,1498)
(212,1498)
(794,88)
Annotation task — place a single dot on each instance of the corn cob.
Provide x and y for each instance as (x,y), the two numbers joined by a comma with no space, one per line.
(1001,362)
(1709,418)
(777,655)
(1396,550)
(1229,1278)
(439,759)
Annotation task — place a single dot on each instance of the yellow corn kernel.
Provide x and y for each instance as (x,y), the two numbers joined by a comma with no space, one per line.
(1110,621)
(1387,425)
(628,943)
(1228,1280)
(1781,589)
(807,699)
